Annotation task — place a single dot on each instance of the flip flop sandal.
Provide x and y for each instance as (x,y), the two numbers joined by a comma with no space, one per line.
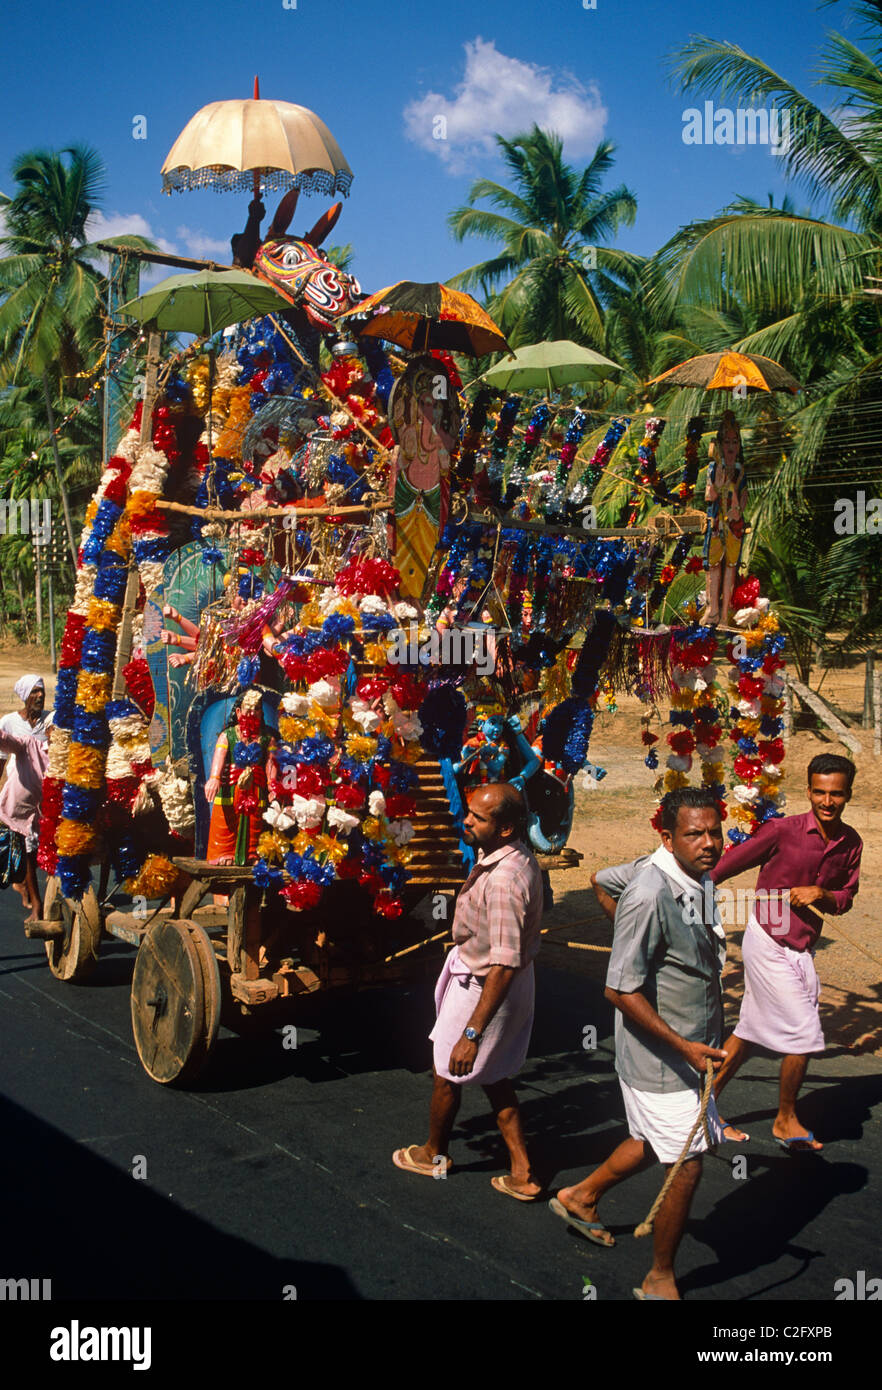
(402,1159)
(726,1124)
(502,1185)
(588,1229)
(788,1144)
(651,1297)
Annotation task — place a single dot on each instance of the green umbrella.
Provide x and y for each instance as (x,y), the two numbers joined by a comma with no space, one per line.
(548,366)
(206,302)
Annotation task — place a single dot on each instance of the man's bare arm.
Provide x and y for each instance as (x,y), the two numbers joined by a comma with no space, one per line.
(607,903)
(638,1010)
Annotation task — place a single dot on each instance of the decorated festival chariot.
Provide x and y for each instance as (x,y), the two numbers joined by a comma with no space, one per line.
(320,596)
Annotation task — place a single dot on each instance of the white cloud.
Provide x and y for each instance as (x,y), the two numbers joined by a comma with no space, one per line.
(503,96)
(201,246)
(188,241)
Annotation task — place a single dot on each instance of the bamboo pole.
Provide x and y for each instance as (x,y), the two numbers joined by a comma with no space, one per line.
(877,712)
(787,712)
(217,514)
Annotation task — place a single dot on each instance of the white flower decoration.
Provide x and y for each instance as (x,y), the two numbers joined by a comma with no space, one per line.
(377,804)
(746,796)
(295,704)
(341,820)
(372,603)
(308,811)
(278,817)
(402,831)
(325,693)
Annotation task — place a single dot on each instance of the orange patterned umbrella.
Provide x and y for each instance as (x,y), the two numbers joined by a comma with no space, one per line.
(423,316)
(723,371)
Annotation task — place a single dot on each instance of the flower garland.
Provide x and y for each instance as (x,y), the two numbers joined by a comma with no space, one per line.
(121,520)
(756,693)
(695,714)
(646,471)
(694,431)
(499,444)
(475,421)
(539,421)
(341,807)
(593,471)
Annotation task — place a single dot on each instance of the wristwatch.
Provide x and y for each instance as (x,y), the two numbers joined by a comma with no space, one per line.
(471,1035)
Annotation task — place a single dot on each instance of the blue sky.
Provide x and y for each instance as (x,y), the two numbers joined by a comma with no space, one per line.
(377,74)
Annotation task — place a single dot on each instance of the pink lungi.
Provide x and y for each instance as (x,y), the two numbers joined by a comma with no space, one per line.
(502,1050)
(781,990)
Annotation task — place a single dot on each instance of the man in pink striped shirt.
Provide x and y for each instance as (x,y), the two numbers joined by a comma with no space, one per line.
(484,996)
(812,863)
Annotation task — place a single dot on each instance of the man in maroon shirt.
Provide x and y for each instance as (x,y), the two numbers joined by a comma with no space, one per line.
(812,862)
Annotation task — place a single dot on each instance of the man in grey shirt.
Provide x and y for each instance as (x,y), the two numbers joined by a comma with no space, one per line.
(664,980)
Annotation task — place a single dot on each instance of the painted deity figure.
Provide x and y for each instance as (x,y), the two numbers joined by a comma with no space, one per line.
(485,756)
(725,494)
(242,766)
(424,418)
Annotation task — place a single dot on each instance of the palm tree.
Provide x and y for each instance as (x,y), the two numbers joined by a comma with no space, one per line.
(795,281)
(51,291)
(553,273)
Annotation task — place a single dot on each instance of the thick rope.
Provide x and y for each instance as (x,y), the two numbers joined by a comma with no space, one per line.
(645,1227)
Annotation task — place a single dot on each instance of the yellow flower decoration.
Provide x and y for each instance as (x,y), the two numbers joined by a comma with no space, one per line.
(271,846)
(372,828)
(324,719)
(94,688)
(292,729)
(72,837)
(675,779)
(361,747)
(375,653)
(768,623)
(683,698)
(120,539)
(85,768)
(303,841)
(751,727)
(331,848)
(103,616)
(310,615)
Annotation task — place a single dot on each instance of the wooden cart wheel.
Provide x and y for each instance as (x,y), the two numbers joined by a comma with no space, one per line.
(176,998)
(72,956)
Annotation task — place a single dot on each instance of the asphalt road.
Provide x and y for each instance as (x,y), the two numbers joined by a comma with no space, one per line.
(274,1174)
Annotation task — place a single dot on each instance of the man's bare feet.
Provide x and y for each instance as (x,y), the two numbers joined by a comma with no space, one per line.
(733,1133)
(525,1185)
(661,1286)
(791,1129)
(421,1153)
(585,1210)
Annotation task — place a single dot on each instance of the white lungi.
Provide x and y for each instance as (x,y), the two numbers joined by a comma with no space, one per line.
(502,1050)
(663,1120)
(781,990)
